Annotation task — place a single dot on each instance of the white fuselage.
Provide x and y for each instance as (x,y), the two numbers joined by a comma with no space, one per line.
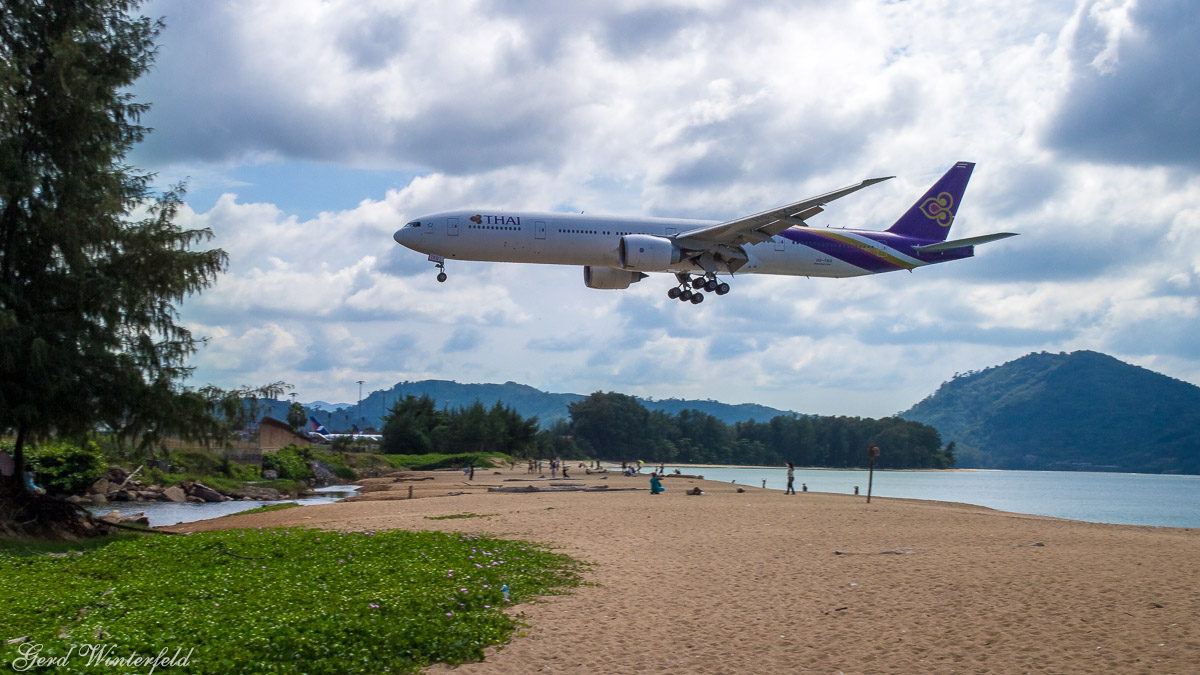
(586,240)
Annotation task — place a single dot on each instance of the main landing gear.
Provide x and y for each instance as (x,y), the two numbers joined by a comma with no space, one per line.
(684,291)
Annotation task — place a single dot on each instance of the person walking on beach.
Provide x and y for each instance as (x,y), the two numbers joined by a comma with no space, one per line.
(791,488)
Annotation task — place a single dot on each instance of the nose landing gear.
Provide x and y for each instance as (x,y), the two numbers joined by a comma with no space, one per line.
(441,265)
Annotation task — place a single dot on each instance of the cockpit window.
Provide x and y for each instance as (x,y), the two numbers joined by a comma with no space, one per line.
(415,223)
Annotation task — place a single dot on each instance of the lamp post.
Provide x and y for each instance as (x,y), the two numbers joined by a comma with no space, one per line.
(360,383)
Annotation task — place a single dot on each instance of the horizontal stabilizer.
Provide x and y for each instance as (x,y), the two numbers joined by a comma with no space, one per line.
(960,243)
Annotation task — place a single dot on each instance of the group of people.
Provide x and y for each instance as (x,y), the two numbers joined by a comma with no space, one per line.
(556,465)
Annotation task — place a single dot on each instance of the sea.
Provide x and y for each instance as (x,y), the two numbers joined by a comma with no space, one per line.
(1123,498)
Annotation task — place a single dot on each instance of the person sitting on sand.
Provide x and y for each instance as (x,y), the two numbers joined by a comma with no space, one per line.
(655,486)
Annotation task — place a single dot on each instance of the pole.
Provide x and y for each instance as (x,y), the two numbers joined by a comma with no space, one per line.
(360,383)
(872,453)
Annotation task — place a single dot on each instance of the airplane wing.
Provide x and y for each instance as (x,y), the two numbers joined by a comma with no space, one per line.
(761,227)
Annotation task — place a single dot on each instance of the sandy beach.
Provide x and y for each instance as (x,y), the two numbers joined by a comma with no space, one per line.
(762,582)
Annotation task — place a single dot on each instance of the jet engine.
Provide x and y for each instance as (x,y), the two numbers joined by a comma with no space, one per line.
(647,253)
(609,278)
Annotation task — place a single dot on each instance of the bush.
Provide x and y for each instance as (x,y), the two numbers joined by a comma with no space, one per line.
(290,462)
(65,467)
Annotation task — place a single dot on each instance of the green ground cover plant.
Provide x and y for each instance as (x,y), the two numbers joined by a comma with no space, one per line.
(272,600)
(454,516)
(264,509)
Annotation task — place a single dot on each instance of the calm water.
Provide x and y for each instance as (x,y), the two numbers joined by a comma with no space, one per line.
(1127,498)
(168,513)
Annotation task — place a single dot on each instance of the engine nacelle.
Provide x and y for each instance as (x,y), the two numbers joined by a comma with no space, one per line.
(647,253)
(609,278)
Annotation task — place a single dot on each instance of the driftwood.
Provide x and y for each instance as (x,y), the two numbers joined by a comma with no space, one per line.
(561,488)
(129,477)
(681,475)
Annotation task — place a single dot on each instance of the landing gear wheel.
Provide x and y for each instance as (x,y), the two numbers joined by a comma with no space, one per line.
(710,285)
(686,294)
(722,288)
(698,282)
(697,298)
(441,277)
(674,293)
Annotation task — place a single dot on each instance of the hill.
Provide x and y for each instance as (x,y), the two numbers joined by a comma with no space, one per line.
(526,400)
(1079,411)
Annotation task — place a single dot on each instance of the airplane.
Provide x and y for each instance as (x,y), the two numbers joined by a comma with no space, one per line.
(616,252)
(319,432)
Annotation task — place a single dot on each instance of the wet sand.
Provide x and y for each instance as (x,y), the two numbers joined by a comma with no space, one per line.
(762,582)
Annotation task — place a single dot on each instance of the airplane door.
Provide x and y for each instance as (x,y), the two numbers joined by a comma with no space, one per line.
(779,243)
(452,227)
(539,229)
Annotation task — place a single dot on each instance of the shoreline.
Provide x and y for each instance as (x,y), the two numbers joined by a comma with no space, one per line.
(759,581)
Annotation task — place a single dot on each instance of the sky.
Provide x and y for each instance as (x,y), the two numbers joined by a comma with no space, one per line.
(308,131)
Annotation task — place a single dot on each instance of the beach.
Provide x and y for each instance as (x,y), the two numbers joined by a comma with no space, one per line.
(763,582)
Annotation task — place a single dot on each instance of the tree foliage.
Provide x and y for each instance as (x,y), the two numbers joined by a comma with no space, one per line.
(415,426)
(616,427)
(92,262)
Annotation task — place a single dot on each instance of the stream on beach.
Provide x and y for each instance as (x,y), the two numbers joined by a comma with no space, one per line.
(170,513)
(1123,498)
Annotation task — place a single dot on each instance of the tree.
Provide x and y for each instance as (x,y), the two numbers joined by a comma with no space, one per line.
(409,426)
(296,415)
(92,263)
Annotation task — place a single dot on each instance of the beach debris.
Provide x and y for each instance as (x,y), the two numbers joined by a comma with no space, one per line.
(1037,543)
(741,489)
(895,551)
(695,491)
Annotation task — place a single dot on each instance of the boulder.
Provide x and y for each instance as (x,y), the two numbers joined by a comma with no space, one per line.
(113,516)
(194,499)
(175,494)
(100,487)
(255,492)
(99,500)
(150,495)
(206,493)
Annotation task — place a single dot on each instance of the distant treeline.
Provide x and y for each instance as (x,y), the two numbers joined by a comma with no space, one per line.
(617,427)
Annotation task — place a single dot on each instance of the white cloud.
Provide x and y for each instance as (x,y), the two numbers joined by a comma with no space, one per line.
(703,109)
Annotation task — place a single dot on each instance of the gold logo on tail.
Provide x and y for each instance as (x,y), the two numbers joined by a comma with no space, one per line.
(938,209)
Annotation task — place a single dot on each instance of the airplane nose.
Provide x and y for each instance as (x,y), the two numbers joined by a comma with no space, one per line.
(401,236)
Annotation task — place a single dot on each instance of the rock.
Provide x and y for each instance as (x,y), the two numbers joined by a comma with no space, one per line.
(122,496)
(149,495)
(79,499)
(100,487)
(206,493)
(175,494)
(138,518)
(113,516)
(270,474)
(99,500)
(255,492)
(195,500)
(322,474)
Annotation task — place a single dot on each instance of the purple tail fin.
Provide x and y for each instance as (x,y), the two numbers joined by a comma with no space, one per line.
(931,216)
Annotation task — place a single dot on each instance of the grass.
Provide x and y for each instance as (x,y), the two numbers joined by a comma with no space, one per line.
(264,509)
(273,601)
(461,515)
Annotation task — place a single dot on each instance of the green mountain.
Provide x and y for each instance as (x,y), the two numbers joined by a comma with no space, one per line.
(1079,411)
(526,400)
